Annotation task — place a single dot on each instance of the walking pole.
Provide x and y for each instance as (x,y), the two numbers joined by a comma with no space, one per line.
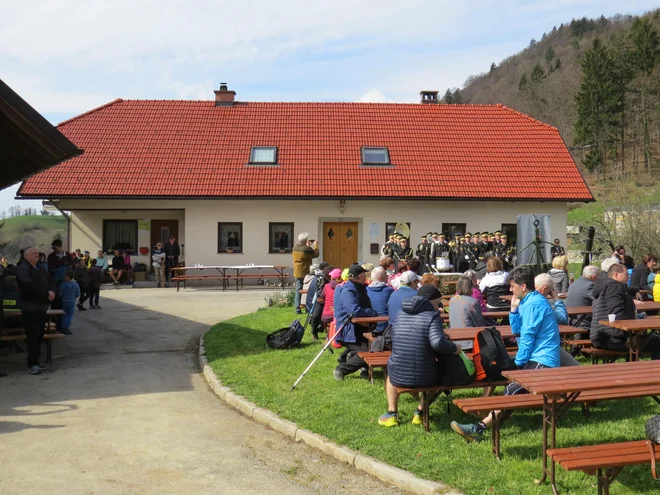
(327,344)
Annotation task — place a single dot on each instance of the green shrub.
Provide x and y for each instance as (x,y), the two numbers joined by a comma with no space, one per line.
(281,299)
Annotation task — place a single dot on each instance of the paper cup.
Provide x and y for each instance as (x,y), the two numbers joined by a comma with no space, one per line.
(611,318)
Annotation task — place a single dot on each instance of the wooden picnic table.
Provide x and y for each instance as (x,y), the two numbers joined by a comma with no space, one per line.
(181,271)
(566,384)
(637,330)
(508,297)
(505,331)
(364,320)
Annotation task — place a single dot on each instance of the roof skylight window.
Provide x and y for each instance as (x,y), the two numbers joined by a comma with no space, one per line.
(375,156)
(263,155)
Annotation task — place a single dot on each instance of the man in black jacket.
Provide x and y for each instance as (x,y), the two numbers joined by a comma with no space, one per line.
(557,249)
(36,294)
(417,337)
(611,297)
(172,253)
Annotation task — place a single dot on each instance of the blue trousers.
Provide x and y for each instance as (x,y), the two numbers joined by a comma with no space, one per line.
(69,308)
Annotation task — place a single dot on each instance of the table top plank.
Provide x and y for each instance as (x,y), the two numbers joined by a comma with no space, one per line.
(228,267)
(634,325)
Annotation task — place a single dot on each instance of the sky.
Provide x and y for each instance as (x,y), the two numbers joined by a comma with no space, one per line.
(65,57)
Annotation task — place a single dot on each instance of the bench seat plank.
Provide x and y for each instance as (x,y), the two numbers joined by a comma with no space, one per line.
(613,455)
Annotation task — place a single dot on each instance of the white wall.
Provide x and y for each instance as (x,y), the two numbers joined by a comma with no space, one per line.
(198,226)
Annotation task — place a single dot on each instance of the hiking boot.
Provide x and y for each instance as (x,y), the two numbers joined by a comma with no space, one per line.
(339,376)
(66,331)
(388,419)
(417,418)
(470,431)
(34,370)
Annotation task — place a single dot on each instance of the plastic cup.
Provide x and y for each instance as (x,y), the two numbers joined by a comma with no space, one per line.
(611,318)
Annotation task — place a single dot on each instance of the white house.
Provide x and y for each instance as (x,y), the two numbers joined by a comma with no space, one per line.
(235,182)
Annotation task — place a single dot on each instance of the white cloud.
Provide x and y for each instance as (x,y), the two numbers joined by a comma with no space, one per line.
(374,96)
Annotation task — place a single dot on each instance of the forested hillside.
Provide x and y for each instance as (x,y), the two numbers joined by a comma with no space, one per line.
(597,81)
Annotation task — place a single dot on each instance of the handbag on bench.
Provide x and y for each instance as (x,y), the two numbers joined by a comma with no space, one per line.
(653,436)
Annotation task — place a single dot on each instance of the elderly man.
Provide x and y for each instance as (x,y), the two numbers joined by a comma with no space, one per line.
(545,285)
(303,255)
(404,291)
(580,293)
(379,293)
(37,292)
(352,300)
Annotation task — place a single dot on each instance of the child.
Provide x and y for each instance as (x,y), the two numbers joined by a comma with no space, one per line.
(69,292)
(95,279)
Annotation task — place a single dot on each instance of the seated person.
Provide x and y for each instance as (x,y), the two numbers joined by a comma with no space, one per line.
(545,285)
(534,321)
(379,293)
(464,310)
(418,341)
(404,291)
(117,267)
(495,284)
(580,293)
(611,297)
(559,272)
(639,279)
(102,261)
(128,267)
(352,300)
(327,315)
(476,292)
(321,277)
(306,281)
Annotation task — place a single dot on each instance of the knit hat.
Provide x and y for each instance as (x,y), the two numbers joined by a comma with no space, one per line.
(336,273)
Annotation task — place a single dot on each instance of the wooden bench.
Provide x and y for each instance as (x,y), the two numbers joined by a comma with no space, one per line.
(48,338)
(605,460)
(481,406)
(603,354)
(376,360)
(427,391)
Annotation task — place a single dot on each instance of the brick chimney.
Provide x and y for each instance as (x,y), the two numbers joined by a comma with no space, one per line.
(224,97)
(427,97)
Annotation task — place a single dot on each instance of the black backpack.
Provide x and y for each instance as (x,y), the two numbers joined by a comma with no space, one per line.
(490,355)
(286,338)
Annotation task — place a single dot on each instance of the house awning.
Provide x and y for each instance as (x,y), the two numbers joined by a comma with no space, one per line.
(28,142)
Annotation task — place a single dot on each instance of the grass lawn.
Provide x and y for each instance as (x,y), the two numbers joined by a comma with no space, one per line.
(347,413)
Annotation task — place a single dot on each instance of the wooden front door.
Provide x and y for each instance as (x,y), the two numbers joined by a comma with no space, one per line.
(161,230)
(340,243)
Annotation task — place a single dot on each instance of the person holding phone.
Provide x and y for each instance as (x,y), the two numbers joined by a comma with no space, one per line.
(303,255)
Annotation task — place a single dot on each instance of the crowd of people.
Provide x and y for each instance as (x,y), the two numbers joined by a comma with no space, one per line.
(403,290)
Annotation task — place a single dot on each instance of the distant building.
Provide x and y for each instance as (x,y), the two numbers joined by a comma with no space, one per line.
(236,182)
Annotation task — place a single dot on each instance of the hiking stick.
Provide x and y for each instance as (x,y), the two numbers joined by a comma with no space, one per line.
(327,344)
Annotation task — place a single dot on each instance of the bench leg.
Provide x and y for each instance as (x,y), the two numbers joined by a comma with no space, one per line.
(371,374)
(605,479)
(425,410)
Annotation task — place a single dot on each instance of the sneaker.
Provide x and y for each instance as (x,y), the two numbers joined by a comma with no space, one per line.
(97,307)
(339,376)
(417,418)
(470,432)
(66,331)
(43,367)
(34,370)
(364,374)
(81,307)
(388,419)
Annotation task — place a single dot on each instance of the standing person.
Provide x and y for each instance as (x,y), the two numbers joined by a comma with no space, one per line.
(59,262)
(69,293)
(557,250)
(352,300)
(81,276)
(303,255)
(42,263)
(117,267)
(37,291)
(423,253)
(158,262)
(95,281)
(534,321)
(172,253)
(405,251)
(86,259)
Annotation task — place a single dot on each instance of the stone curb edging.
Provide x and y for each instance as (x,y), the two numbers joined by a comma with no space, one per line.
(389,474)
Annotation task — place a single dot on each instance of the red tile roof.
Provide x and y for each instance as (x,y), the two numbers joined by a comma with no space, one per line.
(195,149)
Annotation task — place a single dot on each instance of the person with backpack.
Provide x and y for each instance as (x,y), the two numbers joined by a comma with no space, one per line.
(533,320)
(418,347)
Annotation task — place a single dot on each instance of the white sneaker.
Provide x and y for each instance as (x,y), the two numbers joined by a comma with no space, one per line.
(34,370)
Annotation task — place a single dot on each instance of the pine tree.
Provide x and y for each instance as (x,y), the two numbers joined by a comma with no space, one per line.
(596,103)
(493,66)
(532,43)
(457,97)
(523,82)
(558,64)
(538,74)
(549,54)
(646,54)
(449,97)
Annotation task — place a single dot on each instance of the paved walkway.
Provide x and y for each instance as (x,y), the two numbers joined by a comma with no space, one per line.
(124,409)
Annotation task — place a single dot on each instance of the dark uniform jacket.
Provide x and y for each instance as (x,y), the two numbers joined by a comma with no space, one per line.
(423,252)
(417,336)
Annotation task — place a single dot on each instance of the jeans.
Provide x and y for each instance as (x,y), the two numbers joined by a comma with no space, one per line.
(34,323)
(299,286)
(69,308)
(94,297)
